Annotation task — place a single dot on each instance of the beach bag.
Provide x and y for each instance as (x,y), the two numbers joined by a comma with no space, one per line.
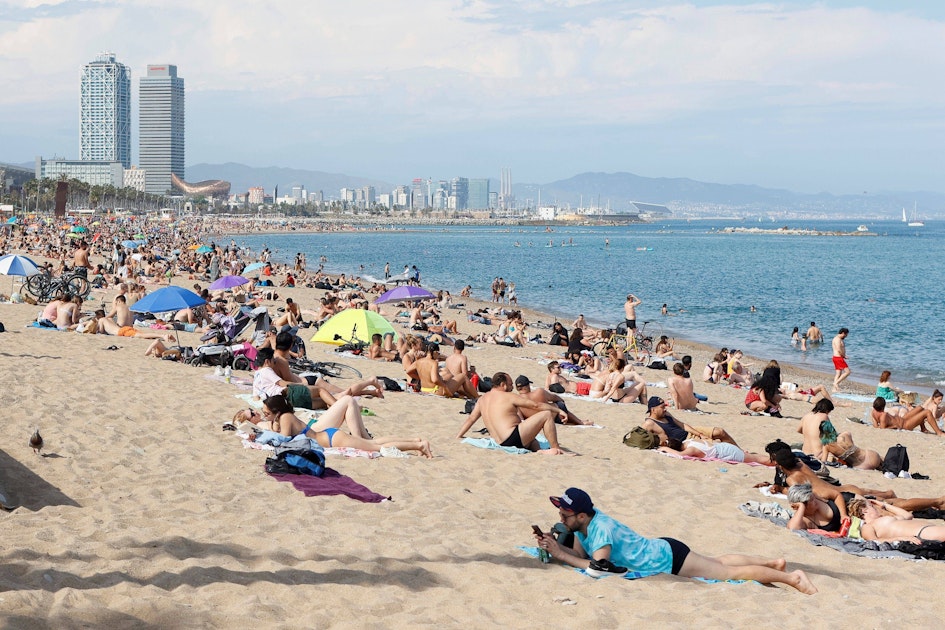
(896,460)
(641,438)
(657,365)
(390,384)
(303,462)
(485,384)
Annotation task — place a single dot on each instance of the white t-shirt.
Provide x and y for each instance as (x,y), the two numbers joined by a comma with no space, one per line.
(266,383)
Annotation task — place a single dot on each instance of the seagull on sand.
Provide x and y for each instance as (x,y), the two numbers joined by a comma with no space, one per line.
(36,441)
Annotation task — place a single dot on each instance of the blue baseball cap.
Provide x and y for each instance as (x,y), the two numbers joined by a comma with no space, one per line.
(574,500)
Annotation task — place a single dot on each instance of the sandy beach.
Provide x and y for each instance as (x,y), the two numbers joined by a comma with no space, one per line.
(144,513)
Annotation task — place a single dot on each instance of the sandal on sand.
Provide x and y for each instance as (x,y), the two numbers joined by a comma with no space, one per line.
(113,347)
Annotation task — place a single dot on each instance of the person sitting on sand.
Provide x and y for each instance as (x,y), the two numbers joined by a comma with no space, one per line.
(715,369)
(121,312)
(709,449)
(604,546)
(666,426)
(681,389)
(737,371)
(842,449)
(810,427)
(524,388)
(590,364)
(442,383)
(280,414)
(886,389)
(559,335)
(378,352)
(292,316)
(556,382)
(916,417)
(609,385)
(663,349)
(69,313)
(500,410)
(934,404)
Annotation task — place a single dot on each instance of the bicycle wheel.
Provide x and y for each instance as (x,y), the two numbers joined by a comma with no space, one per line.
(78,285)
(645,343)
(37,285)
(56,290)
(600,348)
(337,370)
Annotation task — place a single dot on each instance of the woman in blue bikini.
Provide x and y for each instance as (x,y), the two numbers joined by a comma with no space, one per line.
(282,418)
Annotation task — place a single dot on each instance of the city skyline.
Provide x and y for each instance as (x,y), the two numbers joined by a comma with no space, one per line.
(834,96)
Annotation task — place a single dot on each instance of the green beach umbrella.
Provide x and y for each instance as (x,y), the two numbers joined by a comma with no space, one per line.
(353,323)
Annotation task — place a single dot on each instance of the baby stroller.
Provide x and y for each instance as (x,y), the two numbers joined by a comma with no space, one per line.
(224,349)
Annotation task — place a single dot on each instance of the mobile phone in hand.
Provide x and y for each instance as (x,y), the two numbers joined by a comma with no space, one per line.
(537,530)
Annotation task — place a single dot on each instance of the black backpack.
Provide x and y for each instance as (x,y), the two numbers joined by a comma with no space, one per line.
(896,460)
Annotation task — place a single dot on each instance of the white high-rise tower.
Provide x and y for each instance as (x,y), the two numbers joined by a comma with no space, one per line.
(161,127)
(105,111)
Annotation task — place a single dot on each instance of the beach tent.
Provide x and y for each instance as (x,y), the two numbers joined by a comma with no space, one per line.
(353,323)
(404,293)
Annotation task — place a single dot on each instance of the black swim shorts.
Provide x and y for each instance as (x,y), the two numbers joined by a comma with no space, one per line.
(514,439)
(680,552)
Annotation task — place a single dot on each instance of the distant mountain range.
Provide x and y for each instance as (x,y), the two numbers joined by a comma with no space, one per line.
(614,190)
(618,189)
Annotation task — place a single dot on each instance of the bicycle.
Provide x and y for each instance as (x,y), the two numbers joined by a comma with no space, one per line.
(640,342)
(46,287)
(325,368)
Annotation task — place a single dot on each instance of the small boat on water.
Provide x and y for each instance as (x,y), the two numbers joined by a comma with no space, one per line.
(862,228)
(915,219)
(644,249)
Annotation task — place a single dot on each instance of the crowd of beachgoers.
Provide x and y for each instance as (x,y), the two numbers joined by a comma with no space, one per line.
(672,388)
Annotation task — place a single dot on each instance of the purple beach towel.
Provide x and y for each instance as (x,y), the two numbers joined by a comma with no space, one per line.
(332,482)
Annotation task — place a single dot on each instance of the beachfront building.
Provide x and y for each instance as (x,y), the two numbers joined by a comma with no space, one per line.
(136,178)
(105,112)
(161,126)
(92,172)
(256,195)
(478,194)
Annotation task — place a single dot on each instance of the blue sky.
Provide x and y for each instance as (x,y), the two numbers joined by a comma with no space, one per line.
(837,96)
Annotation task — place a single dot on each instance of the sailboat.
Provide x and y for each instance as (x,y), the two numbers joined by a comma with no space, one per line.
(915,219)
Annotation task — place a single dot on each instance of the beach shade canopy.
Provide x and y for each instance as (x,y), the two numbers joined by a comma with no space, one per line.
(204,249)
(353,323)
(404,293)
(11,221)
(253,267)
(79,229)
(167,299)
(228,282)
(140,236)
(132,244)
(14,265)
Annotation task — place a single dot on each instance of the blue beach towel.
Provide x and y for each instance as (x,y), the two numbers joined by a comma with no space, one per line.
(493,445)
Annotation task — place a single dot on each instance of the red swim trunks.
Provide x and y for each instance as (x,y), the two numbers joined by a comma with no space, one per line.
(840,363)
(583,389)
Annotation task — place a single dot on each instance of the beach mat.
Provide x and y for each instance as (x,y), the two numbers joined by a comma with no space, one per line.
(331,483)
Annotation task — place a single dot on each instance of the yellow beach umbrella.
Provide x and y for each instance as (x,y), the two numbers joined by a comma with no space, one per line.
(353,323)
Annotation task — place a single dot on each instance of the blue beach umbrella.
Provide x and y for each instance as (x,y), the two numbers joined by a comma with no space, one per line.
(171,298)
(79,229)
(15,265)
(204,249)
(130,244)
(254,267)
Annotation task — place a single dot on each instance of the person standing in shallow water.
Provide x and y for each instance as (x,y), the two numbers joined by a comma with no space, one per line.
(840,359)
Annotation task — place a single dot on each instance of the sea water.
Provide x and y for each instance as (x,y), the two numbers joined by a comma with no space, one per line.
(887,289)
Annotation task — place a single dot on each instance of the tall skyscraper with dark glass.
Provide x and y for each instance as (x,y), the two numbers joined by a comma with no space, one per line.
(161,127)
(105,111)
